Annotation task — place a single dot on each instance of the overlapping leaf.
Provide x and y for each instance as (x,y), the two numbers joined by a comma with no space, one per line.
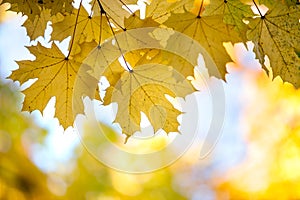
(141,57)
(117,10)
(29,8)
(33,8)
(143,90)
(87,28)
(161,10)
(134,21)
(233,12)
(272,3)
(36,27)
(277,35)
(56,78)
(210,32)
(57,6)
(151,78)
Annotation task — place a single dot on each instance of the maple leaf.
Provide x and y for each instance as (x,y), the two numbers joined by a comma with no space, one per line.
(141,57)
(148,76)
(277,35)
(171,55)
(157,61)
(34,8)
(134,21)
(233,12)
(116,10)
(58,6)
(272,3)
(143,90)
(210,32)
(136,57)
(27,7)
(36,27)
(160,10)
(114,71)
(87,28)
(56,78)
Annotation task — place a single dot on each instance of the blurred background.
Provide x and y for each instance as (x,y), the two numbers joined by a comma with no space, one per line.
(257,156)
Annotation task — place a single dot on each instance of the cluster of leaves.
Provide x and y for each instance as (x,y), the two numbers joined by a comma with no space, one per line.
(275,34)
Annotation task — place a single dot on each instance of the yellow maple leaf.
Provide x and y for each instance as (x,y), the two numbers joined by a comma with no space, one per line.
(159,38)
(57,76)
(277,35)
(34,8)
(143,90)
(148,77)
(145,56)
(116,11)
(36,27)
(87,28)
(210,32)
(160,10)
(60,6)
(29,8)
(134,21)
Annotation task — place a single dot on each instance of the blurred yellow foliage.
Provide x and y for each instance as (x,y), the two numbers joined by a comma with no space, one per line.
(19,177)
(88,179)
(271,127)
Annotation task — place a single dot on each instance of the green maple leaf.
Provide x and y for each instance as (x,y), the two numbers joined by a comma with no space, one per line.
(233,12)
(273,3)
(56,78)
(277,35)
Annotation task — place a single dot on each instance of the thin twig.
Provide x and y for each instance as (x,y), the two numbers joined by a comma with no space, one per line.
(112,30)
(261,15)
(74,32)
(201,6)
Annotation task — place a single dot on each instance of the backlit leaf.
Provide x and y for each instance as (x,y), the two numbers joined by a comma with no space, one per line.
(116,10)
(210,32)
(180,30)
(277,35)
(88,28)
(37,27)
(27,7)
(33,8)
(233,11)
(143,90)
(56,78)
